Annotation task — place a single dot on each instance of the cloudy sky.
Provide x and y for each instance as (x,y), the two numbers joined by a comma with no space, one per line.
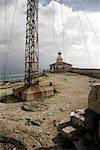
(61,28)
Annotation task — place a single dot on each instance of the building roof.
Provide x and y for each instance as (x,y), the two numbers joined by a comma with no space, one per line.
(62,63)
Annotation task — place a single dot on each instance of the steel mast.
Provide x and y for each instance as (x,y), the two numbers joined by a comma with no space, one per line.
(32,90)
(32,48)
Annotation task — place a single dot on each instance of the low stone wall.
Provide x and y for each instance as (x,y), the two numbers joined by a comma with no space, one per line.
(90,72)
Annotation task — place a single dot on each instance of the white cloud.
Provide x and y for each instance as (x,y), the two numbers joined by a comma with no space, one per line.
(76,47)
(51,35)
(73,36)
(72,33)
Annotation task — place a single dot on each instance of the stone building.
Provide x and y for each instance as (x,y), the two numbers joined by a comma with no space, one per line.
(60,65)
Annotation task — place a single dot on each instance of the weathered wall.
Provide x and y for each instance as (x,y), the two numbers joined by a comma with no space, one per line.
(60,68)
(90,72)
(94,98)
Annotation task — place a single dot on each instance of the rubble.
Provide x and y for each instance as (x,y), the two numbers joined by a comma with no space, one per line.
(63,123)
(8,143)
(34,107)
(33,122)
(26,126)
(68,132)
(62,109)
(77,117)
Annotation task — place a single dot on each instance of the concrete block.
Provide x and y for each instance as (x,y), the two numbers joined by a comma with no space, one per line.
(68,132)
(77,117)
(63,123)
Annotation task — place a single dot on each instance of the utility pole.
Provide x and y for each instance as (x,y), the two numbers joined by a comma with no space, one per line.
(32,48)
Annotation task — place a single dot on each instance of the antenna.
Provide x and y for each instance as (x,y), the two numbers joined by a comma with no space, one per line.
(32,48)
(32,90)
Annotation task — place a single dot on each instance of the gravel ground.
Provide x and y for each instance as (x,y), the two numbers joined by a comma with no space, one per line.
(73,90)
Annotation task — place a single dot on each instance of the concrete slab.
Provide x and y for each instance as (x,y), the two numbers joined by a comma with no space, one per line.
(68,131)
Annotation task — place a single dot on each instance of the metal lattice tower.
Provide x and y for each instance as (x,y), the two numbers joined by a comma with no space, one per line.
(32,48)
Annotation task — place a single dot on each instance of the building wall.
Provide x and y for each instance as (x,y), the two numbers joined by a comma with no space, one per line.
(90,72)
(60,68)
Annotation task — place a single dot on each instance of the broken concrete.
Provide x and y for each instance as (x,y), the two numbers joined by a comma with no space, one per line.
(10,143)
(16,140)
(63,123)
(77,117)
(68,132)
(35,107)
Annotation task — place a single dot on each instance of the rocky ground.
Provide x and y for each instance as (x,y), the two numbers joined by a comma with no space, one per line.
(36,128)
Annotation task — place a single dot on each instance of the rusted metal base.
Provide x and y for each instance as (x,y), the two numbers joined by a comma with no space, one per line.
(33,92)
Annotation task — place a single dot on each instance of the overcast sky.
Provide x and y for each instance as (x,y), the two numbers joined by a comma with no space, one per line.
(59,30)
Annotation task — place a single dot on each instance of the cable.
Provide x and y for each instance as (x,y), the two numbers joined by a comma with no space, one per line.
(11,33)
(5,44)
(54,30)
(5,40)
(83,34)
(89,23)
(54,39)
(10,38)
(63,35)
